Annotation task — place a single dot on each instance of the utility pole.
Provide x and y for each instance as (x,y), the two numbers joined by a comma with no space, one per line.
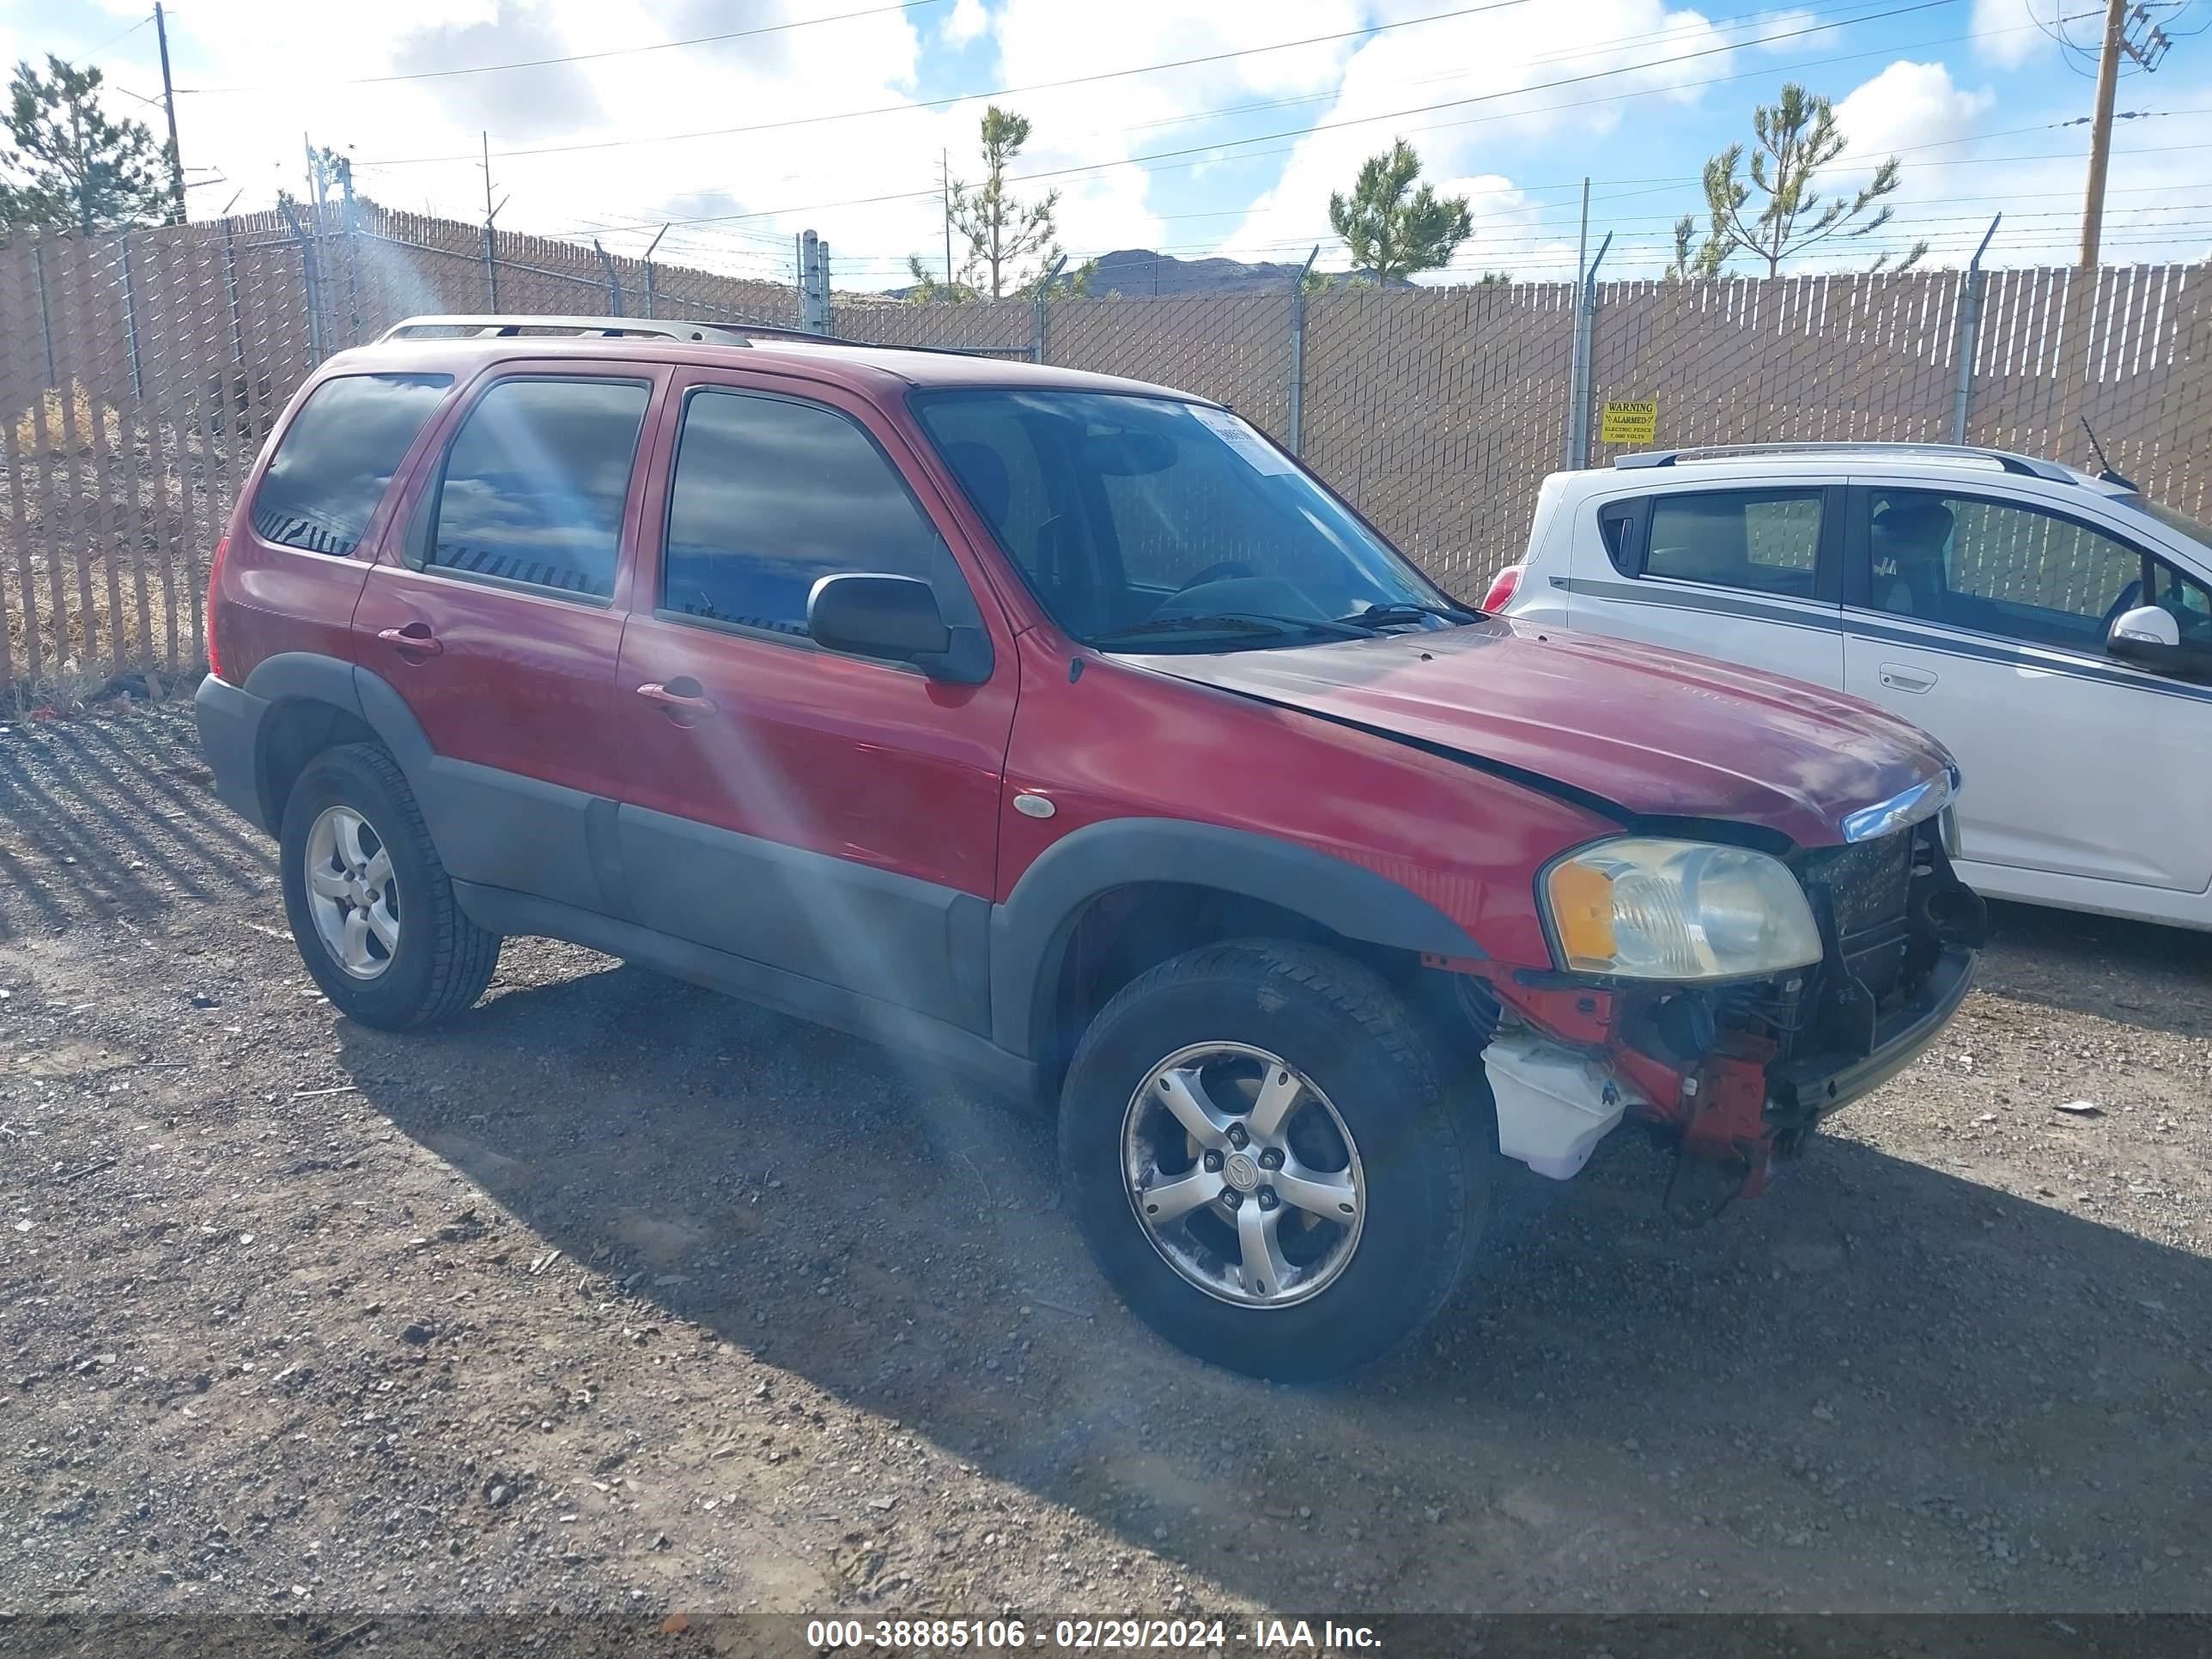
(1581,243)
(2100,130)
(491,257)
(944,179)
(344,167)
(652,285)
(169,104)
(2119,16)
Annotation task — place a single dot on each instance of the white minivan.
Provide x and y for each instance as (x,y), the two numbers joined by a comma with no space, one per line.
(2052,628)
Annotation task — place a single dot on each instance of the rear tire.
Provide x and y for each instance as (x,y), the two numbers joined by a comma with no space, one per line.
(1301,1069)
(368,899)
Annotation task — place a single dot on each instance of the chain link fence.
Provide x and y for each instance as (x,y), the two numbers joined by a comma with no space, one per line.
(139,375)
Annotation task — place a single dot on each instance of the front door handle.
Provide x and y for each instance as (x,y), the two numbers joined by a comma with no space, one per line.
(681,699)
(413,640)
(1898,678)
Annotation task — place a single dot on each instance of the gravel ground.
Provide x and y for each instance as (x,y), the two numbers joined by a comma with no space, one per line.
(615,1294)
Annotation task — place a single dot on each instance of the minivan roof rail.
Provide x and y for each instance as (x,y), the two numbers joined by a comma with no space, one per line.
(2028,465)
(488,326)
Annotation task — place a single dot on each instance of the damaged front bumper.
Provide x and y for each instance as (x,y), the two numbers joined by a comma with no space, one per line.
(1739,1074)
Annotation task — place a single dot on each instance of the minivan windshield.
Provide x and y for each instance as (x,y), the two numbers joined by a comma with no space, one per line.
(2180,523)
(1151,523)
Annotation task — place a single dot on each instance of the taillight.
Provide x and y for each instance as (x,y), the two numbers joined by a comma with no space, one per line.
(1502,586)
(215,583)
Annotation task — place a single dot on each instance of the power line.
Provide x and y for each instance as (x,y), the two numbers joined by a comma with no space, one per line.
(1203,151)
(579,56)
(1481,98)
(999,92)
(126,33)
(1589,49)
(619,223)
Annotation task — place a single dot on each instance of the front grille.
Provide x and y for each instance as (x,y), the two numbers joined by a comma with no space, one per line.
(1866,882)
(1866,887)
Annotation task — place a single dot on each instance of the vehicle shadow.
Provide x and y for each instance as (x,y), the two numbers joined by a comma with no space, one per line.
(1881,1387)
(2137,972)
(102,818)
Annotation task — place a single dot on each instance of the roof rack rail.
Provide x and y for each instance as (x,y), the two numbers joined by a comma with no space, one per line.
(508,325)
(2027,465)
(488,326)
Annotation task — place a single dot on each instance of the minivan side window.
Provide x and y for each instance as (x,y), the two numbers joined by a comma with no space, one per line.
(336,459)
(534,482)
(1766,541)
(2001,568)
(769,495)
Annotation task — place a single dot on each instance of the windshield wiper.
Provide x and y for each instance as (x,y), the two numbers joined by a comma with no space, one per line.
(1406,611)
(1245,621)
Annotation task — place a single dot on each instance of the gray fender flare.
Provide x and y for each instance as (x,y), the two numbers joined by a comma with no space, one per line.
(1031,931)
(308,677)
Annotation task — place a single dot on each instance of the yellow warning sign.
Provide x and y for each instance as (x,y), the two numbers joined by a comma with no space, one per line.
(1630,423)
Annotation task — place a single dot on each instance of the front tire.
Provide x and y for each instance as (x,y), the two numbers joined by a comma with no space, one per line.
(368,899)
(1262,1162)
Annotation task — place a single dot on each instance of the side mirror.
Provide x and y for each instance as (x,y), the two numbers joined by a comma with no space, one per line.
(2150,637)
(895,617)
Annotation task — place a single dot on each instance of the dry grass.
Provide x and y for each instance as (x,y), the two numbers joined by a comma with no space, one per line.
(138,497)
(72,421)
(73,667)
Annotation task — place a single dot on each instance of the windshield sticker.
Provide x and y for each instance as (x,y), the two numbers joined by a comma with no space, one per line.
(1231,429)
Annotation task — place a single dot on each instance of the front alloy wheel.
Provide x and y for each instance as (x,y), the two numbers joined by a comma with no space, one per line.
(1243,1175)
(1261,1161)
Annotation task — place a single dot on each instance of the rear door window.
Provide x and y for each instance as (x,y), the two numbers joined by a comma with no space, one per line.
(534,485)
(1763,541)
(337,457)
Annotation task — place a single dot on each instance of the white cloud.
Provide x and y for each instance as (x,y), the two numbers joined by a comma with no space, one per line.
(2004,31)
(1790,31)
(297,62)
(1952,183)
(1105,121)
(1490,71)
(968,21)
(1909,105)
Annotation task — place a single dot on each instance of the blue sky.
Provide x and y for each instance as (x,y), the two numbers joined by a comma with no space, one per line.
(1234,151)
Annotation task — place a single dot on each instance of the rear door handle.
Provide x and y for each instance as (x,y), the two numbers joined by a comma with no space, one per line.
(1898,678)
(681,699)
(414,640)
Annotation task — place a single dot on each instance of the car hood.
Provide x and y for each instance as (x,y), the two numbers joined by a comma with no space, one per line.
(1639,731)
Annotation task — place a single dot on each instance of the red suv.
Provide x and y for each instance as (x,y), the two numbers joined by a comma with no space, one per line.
(1066,732)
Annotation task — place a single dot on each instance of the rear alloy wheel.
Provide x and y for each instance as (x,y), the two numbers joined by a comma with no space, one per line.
(1262,1162)
(369,898)
(352,892)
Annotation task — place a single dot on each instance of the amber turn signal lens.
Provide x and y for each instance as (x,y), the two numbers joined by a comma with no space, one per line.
(1582,912)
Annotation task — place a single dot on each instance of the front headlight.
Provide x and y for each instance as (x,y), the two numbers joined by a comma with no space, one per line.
(1643,907)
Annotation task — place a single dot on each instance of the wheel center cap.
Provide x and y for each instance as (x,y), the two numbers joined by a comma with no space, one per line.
(1241,1171)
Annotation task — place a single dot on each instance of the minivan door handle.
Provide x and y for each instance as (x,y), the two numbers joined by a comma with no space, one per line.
(414,640)
(681,699)
(1898,678)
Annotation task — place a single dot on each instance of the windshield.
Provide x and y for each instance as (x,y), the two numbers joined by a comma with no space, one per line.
(2181,522)
(1142,521)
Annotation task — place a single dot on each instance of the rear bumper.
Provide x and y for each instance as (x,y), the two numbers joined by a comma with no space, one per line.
(1821,1083)
(230,738)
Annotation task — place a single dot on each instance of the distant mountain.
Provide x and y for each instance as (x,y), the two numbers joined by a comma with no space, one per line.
(1138,272)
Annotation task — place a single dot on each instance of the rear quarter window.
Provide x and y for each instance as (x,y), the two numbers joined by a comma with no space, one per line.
(337,457)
